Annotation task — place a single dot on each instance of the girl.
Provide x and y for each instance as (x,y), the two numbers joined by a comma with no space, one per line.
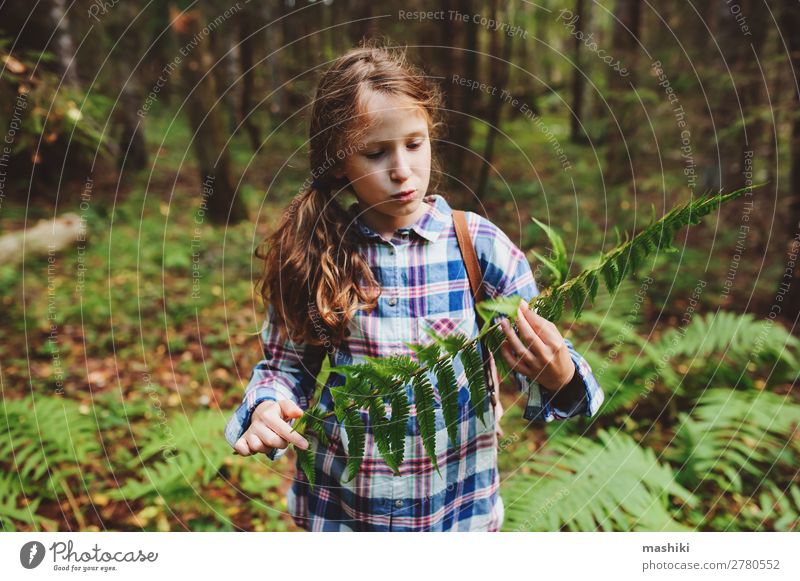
(363,281)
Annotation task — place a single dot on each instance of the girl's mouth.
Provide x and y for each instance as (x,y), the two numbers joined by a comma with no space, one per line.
(405,196)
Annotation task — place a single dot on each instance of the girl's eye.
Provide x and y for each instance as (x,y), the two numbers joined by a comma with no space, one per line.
(375,155)
(415,145)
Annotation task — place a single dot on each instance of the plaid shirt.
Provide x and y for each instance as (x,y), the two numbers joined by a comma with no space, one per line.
(424,283)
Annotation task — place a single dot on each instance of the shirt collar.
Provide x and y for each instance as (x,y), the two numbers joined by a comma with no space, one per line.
(430,225)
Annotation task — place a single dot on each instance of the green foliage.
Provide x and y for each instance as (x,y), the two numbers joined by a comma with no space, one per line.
(558,264)
(627,257)
(737,337)
(783,508)
(356,432)
(423,397)
(637,352)
(53,116)
(732,434)
(46,440)
(11,495)
(178,458)
(579,484)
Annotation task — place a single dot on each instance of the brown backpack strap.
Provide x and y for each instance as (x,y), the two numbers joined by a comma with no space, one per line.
(476,283)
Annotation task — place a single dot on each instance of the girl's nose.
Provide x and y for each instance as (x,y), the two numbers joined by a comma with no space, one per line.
(401,170)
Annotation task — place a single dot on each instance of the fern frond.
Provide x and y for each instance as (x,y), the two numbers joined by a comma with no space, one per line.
(648,355)
(47,440)
(732,335)
(194,459)
(383,437)
(506,306)
(400,414)
(426,418)
(616,263)
(306,459)
(314,425)
(733,433)
(781,507)
(473,366)
(448,390)
(558,265)
(356,440)
(612,484)
(11,494)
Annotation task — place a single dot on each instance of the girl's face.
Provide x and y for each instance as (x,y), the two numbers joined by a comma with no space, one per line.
(390,173)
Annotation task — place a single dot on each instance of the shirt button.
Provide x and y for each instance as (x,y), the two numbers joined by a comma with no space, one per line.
(391,251)
(392,302)
(398,503)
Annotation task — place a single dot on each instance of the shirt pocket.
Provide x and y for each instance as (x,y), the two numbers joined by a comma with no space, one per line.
(442,326)
(445,326)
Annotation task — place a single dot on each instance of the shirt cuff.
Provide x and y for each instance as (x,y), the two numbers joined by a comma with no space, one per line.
(582,396)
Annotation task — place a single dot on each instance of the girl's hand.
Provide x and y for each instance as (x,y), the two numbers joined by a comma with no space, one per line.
(540,352)
(269,429)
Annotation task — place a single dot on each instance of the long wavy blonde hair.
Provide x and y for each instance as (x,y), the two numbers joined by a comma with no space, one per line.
(314,276)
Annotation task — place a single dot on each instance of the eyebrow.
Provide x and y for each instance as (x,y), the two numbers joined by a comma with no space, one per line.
(418,133)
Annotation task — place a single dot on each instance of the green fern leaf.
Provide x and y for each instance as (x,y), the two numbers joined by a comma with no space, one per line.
(592,285)
(608,276)
(383,432)
(494,340)
(399,421)
(11,494)
(781,507)
(561,268)
(557,305)
(473,367)
(611,484)
(356,441)
(49,440)
(448,390)
(426,418)
(507,306)
(194,460)
(577,296)
(428,354)
(551,266)
(734,434)
(307,464)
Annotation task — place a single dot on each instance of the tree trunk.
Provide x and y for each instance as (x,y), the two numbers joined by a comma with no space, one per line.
(61,44)
(460,100)
(499,78)
(791,305)
(576,134)
(251,46)
(625,46)
(206,121)
(132,150)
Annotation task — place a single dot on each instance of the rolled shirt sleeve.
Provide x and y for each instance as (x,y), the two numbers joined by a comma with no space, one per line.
(507,273)
(287,371)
